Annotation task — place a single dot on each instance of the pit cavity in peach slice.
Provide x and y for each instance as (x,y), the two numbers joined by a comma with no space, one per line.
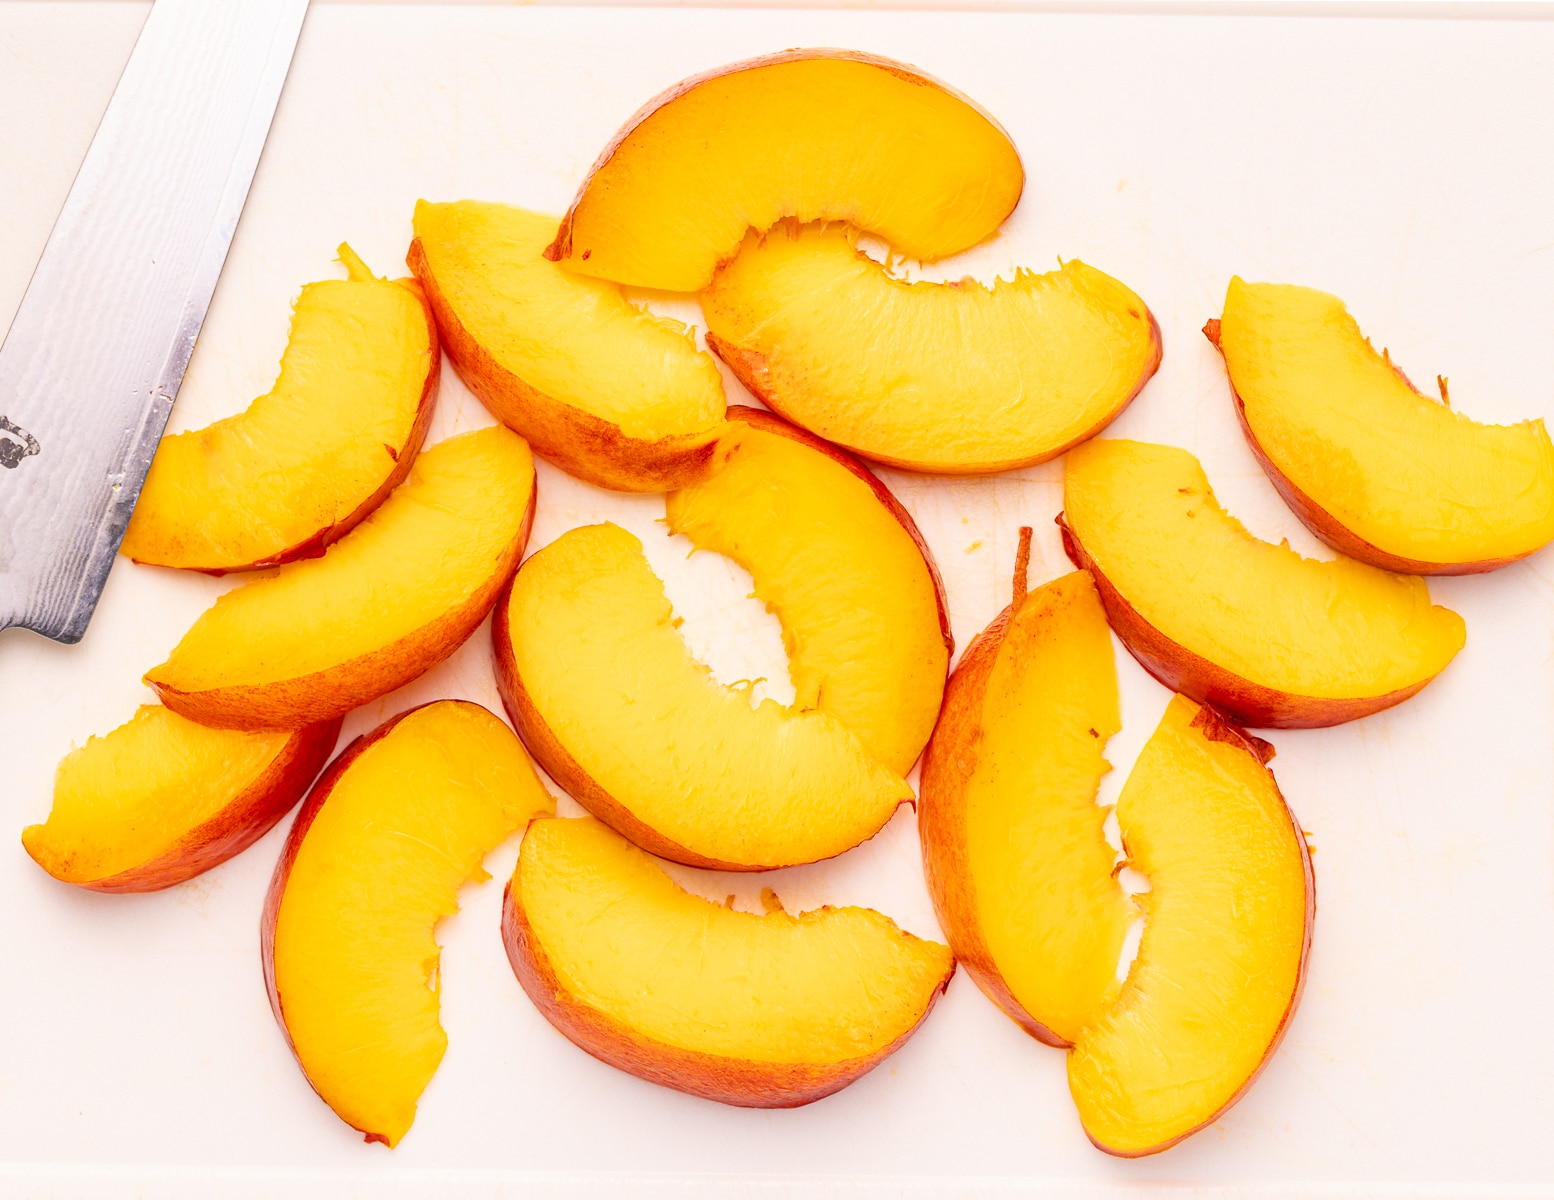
(1227,930)
(609,392)
(375,859)
(814,134)
(1376,469)
(307,461)
(608,699)
(767,1011)
(385,604)
(1013,840)
(950,378)
(1253,628)
(842,565)
(161,799)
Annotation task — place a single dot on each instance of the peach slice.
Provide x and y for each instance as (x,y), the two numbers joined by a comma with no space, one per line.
(1025,882)
(1272,638)
(313,456)
(375,859)
(1227,930)
(768,1011)
(607,697)
(162,799)
(845,569)
(951,378)
(812,134)
(384,605)
(614,395)
(1376,469)
(1013,841)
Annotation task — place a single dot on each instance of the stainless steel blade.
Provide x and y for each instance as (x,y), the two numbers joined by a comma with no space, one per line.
(92,363)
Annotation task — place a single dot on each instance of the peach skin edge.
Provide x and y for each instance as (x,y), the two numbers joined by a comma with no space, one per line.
(559,764)
(240,823)
(775,423)
(277,890)
(742,1083)
(749,367)
(582,444)
(404,459)
(947,764)
(333,692)
(1328,527)
(561,247)
(1216,728)
(1183,671)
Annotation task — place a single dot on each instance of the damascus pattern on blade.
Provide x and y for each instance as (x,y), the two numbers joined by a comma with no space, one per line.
(93,361)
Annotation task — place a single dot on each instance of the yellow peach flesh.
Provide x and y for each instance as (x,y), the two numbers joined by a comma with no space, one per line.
(949,378)
(595,646)
(1330,630)
(1049,910)
(437,544)
(817,135)
(622,937)
(576,340)
(128,797)
(1399,470)
(307,455)
(379,863)
(1226,930)
(857,600)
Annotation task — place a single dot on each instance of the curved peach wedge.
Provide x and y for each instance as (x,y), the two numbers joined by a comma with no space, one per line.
(768,1011)
(608,699)
(1376,469)
(1013,841)
(1026,883)
(843,566)
(614,395)
(162,799)
(1227,930)
(307,461)
(813,134)
(1270,637)
(950,378)
(374,860)
(384,605)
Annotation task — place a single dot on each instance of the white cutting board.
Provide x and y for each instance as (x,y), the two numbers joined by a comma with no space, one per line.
(1406,164)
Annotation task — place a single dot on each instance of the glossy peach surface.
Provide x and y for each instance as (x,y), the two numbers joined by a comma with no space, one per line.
(769,1011)
(812,134)
(306,462)
(1375,468)
(1270,636)
(375,859)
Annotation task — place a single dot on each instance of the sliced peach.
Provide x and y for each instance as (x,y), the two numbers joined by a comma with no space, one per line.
(161,799)
(401,593)
(374,860)
(812,134)
(843,566)
(1013,839)
(1272,638)
(952,378)
(313,456)
(766,1011)
(1026,884)
(1376,469)
(607,697)
(613,394)
(1227,929)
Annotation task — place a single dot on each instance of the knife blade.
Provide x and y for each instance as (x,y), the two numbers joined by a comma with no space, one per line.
(103,335)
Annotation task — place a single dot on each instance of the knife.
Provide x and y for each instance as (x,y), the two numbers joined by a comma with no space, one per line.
(100,343)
